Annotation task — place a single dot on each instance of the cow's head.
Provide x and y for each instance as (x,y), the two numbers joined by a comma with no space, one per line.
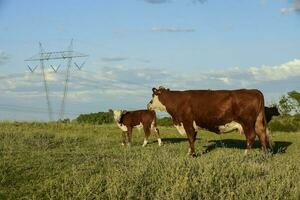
(274,111)
(156,101)
(117,114)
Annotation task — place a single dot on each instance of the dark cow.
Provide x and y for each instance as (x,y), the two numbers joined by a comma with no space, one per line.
(212,110)
(270,112)
(127,120)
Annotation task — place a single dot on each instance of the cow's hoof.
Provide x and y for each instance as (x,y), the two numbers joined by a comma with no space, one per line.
(160,144)
(145,143)
(194,155)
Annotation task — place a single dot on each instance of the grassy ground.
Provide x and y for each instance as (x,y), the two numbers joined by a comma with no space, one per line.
(69,161)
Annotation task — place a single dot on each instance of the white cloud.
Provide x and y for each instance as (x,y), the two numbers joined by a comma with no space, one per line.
(295,7)
(280,72)
(263,73)
(286,11)
(226,80)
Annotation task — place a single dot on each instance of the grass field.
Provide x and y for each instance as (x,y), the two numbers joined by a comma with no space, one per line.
(71,161)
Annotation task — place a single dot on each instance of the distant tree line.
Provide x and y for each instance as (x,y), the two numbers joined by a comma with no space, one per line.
(95,118)
(107,118)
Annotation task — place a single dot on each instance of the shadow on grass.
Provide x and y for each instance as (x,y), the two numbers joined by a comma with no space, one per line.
(174,140)
(279,146)
(169,140)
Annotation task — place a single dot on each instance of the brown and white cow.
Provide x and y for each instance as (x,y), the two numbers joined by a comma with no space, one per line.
(127,120)
(212,110)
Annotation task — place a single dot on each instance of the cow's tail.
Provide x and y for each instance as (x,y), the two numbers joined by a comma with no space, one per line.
(155,129)
(269,139)
(154,122)
(268,134)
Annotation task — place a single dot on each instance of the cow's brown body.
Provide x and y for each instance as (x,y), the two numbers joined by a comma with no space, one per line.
(212,109)
(127,120)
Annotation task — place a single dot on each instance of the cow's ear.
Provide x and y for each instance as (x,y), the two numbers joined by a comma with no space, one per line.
(124,112)
(156,91)
(163,88)
(110,111)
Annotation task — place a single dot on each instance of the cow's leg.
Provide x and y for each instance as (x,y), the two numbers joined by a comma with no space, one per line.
(147,134)
(261,131)
(124,138)
(250,136)
(156,131)
(191,134)
(269,139)
(262,140)
(129,136)
(250,140)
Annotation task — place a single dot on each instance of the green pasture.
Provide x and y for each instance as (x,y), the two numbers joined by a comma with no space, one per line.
(73,161)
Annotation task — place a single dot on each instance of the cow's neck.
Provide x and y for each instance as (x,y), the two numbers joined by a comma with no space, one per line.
(171,108)
(121,119)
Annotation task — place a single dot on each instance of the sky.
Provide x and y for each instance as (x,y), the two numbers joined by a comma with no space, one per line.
(134,45)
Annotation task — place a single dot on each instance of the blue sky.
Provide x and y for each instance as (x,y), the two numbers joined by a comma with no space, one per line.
(137,44)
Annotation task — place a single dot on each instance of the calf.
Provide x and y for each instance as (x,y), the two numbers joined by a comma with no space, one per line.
(127,120)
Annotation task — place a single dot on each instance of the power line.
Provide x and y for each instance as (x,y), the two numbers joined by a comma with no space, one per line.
(45,84)
(56,55)
(62,109)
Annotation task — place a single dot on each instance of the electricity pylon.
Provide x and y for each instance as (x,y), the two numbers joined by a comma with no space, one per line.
(43,57)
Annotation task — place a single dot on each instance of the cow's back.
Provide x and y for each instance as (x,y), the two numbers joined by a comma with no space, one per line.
(134,118)
(210,108)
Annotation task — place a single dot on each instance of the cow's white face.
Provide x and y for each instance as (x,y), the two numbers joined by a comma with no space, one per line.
(117,115)
(155,104)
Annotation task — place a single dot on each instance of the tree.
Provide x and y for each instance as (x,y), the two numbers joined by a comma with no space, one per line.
(285,105)
(295,97)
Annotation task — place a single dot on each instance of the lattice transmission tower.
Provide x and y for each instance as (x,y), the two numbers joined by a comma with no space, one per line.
(43,57)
